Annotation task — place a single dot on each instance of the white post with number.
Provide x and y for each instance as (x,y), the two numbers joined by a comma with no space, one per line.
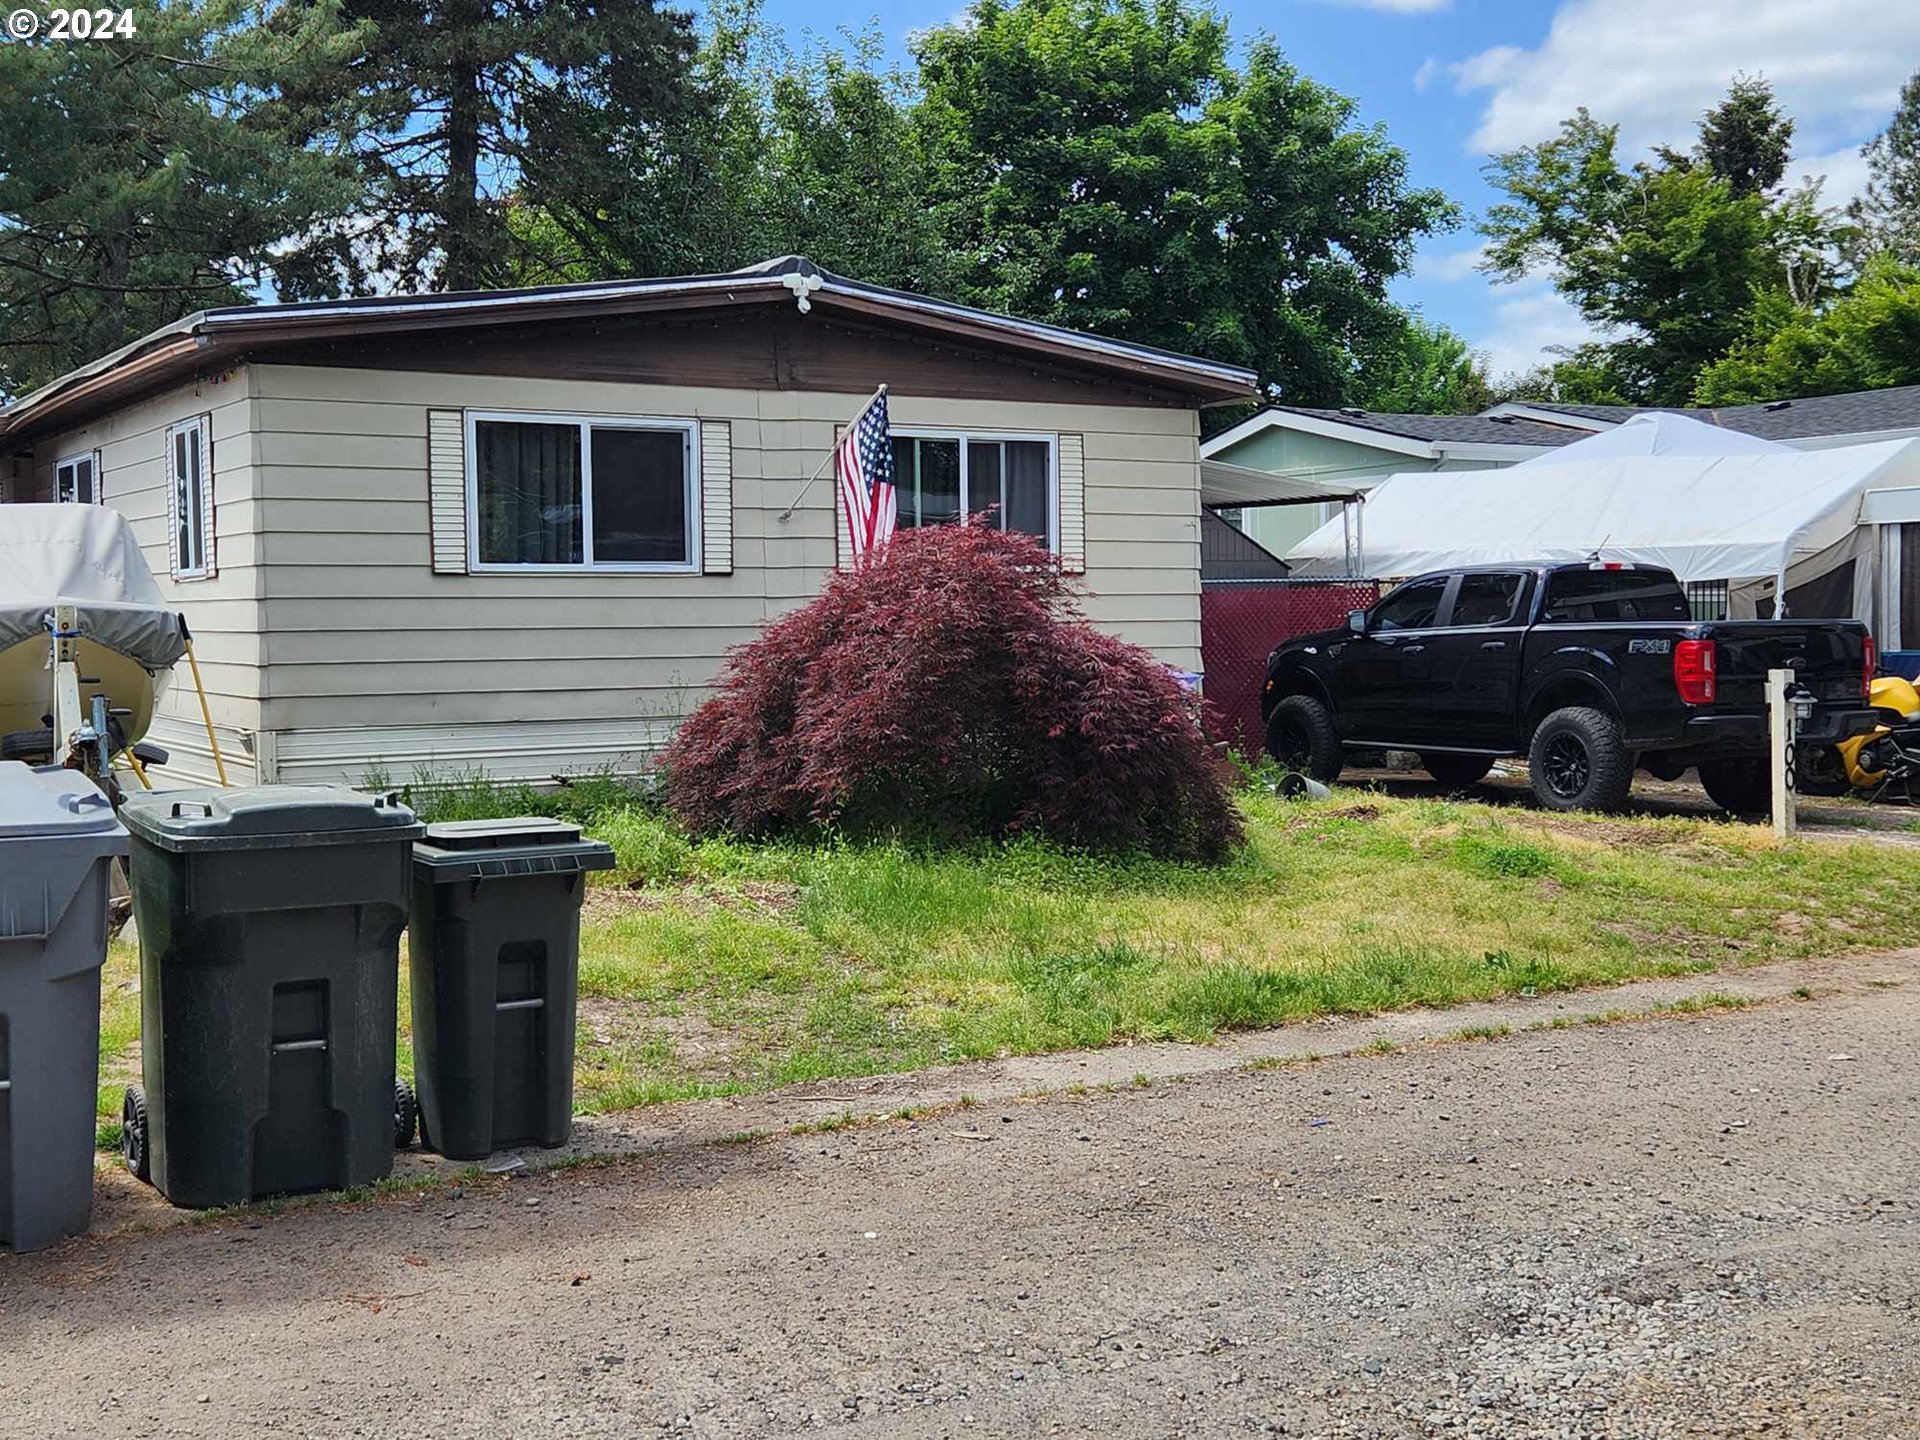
(1780,731)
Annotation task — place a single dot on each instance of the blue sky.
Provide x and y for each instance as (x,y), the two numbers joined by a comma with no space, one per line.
(1452,79)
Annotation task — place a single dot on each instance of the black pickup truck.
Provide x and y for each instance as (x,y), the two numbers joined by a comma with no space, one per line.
(1588,670)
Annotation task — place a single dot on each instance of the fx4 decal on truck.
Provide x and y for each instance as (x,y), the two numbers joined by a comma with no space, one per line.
(1649,647)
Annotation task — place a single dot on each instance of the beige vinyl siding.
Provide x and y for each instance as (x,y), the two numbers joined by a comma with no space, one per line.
(539,673)
(224,610)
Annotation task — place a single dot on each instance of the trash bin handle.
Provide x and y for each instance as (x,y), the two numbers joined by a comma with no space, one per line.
(181,807)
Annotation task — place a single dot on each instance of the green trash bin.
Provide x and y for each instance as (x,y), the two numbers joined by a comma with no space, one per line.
(269,922)
(494,951)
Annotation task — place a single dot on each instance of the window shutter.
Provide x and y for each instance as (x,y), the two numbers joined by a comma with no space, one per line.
(842,534)
(447,489)
(173,502)
(203,437)
(1073,505)
(99,483)
(716,497)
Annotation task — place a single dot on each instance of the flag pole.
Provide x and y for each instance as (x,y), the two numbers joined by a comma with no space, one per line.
(821,469)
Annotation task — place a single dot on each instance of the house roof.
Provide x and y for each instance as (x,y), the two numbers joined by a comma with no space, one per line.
(228,334)
(1463,429)
(1859,412)
(1425,437)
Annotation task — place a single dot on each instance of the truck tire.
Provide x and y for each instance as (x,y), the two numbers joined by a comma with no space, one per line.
(1301,736)
(1578,761)
(1456,772)
(1740,787)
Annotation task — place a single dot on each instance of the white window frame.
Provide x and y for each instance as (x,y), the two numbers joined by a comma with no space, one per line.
(197,510)
(966,433)
(92,457)
(690,432)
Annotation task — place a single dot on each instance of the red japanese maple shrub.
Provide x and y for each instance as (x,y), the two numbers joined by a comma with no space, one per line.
(951,687)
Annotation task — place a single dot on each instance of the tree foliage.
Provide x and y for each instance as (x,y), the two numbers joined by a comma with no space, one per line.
(949,688)
(1887,217)
(1102,165)
(1866,339)
(1667,257)
(476,106)
(1426,369)
(143,179)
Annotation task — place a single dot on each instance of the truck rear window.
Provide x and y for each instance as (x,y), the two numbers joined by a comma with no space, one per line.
(1576,596)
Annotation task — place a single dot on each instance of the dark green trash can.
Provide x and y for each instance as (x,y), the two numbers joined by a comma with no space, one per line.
(269,923)
(494,950)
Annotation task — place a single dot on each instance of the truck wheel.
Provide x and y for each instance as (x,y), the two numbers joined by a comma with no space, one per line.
(1301,736)
(1456,772)
(1578,761)
(1740,787)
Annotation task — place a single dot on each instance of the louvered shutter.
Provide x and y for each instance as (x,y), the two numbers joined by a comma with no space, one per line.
(716,497)
(447,490)
(173,502)
(1073,505)
(842,533)
(203,439)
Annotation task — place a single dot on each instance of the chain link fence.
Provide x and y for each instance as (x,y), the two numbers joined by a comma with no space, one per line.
(1240,623)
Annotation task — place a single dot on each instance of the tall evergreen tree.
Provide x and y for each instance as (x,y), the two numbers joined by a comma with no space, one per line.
(1888,215)
(146,178)
(1745,140)
(472,105)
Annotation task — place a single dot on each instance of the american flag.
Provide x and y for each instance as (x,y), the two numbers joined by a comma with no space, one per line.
(864,463)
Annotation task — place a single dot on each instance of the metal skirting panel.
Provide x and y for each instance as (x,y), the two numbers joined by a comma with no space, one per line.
(531,750)
(190,757)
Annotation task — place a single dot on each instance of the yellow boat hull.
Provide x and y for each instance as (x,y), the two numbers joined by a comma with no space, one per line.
(26,686)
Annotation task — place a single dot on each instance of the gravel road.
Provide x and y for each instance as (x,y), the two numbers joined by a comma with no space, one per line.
(1677,1227)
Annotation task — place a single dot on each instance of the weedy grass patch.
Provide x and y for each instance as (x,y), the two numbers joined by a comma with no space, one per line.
(718,967)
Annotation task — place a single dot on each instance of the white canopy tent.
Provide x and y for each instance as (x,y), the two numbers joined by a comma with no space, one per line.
(1706,503)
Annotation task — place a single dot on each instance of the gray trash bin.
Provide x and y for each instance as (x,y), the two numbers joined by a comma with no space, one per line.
(58,837)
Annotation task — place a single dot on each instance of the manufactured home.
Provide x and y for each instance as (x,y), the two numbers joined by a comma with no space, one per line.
(520,530)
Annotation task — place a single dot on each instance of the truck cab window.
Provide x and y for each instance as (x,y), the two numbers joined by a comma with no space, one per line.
(1411,607)
(1577,597)
(1485,599)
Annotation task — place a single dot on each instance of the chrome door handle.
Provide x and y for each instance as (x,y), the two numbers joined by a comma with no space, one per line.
(1414,649)
(1493,645)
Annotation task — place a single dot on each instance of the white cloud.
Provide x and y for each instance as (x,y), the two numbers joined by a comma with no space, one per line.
(1449,266)
(1527,319)
(1428,72)
(1842,173)
(1652,67)
(1397,7)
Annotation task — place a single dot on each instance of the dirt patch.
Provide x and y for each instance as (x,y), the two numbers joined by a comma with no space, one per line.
(626,1025)
(762,897)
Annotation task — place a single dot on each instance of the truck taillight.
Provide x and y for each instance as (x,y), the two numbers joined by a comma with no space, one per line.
(1693,671)
(1869,662)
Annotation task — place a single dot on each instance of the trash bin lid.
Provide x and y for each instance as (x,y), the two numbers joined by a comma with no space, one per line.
(523,845)
(47,803)
(266,817)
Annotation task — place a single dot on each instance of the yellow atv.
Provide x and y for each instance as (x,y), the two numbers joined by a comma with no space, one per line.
(1867,762)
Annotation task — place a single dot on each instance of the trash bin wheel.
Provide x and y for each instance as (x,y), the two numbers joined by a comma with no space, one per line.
(133,1132)
(406,1112)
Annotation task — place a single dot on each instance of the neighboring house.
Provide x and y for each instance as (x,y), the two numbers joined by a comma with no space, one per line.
(1356,450)
(1360,448)
(1817,422)
(1228,554)
(519,530)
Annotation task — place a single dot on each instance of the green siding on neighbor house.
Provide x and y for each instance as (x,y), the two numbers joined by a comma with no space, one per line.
(1318,457)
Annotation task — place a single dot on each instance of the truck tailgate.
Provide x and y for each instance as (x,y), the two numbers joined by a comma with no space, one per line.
(1827,656)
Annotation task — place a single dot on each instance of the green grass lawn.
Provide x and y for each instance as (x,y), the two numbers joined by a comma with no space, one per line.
(721,967)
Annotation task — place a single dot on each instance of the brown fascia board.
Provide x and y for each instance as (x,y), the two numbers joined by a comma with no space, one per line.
(221,339)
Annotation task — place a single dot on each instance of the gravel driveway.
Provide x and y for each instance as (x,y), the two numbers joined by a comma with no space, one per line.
(1688,1226)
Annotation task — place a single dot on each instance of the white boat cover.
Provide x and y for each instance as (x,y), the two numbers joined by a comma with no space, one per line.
(84,555)
(1712,506)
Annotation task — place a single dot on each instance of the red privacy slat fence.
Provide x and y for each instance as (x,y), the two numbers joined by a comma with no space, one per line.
(1240,623)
